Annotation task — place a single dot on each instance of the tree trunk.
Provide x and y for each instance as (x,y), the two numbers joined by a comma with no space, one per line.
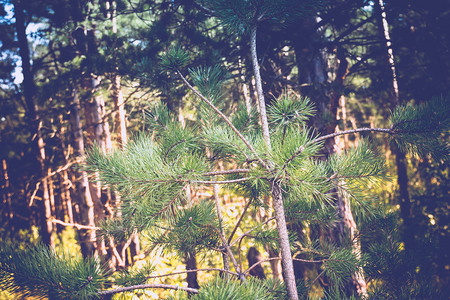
(6,192)
(278,206)
(81,193)
(253,257)
(225,259)
(191,264)
(119,112)
(285,249)
(99,135)
(313,78)
(46,225)
(400,158)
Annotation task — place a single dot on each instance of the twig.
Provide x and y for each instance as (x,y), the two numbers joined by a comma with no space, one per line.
(34,194)
(312,282)
(247,232)
(279,258)
(234,171)
(77,226)
(249,146)
(149,286)
(366,129)
(220,181)
(239,221)
(192,271)
(191,181)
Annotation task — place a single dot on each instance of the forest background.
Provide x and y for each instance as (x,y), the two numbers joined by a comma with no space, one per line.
(75,73)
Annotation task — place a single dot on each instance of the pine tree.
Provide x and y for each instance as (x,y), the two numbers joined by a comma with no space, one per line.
(275,154)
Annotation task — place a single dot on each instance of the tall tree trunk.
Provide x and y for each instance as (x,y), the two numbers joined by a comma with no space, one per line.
(82,193)
(46,225)
(98,133)
(400,158)
(117,90)
(278,206)
(66,200)
(313,78)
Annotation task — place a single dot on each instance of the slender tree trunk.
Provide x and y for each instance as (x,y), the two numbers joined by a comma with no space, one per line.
(285,248)
(120,112)
(81,193)
(46,225)
(66,200)
(6,191)
(278,206)
(117,90)
(225,259)
(259,89)
(245,92)
(400,158)
(190,258)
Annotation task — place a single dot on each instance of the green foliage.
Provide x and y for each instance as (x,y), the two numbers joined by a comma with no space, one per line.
(245,122)
(423,129)
(361,165)
(224,144)
(229,289)
(174,59)
(340,266)
(40,272)
(195,229)
(255,188)
(135,276)
(240,16)
(292,149)
(299,209)
(266,237)
(150,183)
(289,112)
(209,81)
(393,272)
(309,182)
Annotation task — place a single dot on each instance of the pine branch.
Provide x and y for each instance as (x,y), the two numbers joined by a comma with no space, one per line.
(148,286)
(246,142)
(365,129)
(193,181)
(230,254)
(333,135)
